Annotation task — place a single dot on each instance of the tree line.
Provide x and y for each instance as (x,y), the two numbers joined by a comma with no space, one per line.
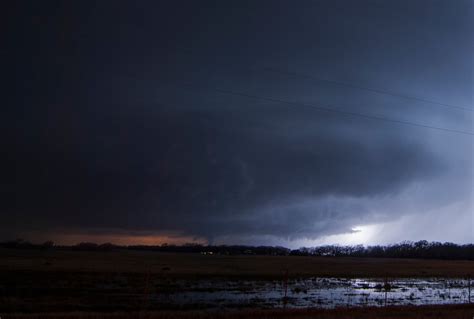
(407,249)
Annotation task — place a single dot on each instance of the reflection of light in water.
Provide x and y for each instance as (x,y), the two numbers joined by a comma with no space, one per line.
(322,292)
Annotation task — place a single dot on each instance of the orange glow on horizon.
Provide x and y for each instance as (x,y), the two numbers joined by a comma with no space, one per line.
(118,239)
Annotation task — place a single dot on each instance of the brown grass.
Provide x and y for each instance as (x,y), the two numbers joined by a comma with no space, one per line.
(40,283)
(196,265)
(451,311)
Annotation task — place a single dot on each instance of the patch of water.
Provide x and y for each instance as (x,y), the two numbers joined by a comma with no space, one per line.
(317,292)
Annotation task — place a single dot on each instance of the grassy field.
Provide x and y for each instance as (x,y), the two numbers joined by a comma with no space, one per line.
(114,284)
(196,265)
(432,312)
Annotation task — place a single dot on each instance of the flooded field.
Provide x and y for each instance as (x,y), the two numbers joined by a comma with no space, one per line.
(315,292)
(34,281)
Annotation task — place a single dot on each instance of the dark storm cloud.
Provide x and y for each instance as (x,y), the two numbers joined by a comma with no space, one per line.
(102,135)
(205,173)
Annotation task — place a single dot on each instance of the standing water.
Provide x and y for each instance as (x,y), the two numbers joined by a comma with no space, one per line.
(315,292)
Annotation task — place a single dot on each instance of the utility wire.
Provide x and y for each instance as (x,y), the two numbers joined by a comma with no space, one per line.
(359,87)
(189,52)
(328,109)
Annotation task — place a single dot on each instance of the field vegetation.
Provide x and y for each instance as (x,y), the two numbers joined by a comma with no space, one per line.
(428,312)
(234,266)
(44,283)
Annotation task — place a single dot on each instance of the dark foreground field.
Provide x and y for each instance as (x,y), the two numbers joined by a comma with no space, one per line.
(118,284)
(251,267)
(432,312)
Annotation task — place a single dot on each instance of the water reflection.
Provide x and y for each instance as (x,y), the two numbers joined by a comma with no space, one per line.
(317,292)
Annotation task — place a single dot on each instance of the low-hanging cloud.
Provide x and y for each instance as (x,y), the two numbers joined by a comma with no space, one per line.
(208,175)
(103,137)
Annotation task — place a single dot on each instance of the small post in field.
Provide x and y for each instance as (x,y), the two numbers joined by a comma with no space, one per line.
(469,288)
(146,290)
(386,287)
(285,283)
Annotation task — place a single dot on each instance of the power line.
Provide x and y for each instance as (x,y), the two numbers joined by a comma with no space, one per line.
(350,85)
(329,109)
(359,87)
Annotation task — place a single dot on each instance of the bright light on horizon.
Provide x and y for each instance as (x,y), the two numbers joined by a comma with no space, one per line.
(359,235)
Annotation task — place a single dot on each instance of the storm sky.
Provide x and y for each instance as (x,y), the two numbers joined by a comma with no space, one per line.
(257,122)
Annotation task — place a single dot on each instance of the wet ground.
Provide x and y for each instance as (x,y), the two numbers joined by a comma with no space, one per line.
(314,292)
(67,291)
